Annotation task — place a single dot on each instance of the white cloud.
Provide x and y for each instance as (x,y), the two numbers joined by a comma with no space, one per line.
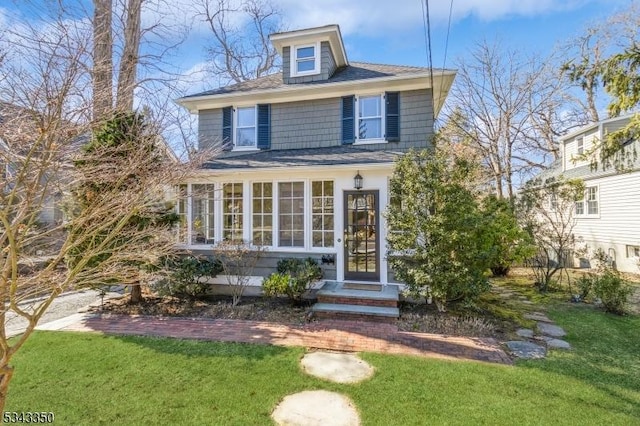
(373,16)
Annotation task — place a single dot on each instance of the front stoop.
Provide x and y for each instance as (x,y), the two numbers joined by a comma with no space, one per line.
(377,305)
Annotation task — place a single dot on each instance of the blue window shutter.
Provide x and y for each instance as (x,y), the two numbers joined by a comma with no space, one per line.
(392,127)
(348,119)
(227,128)
(264,126)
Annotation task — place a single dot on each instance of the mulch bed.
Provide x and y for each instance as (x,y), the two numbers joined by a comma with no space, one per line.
(414,318)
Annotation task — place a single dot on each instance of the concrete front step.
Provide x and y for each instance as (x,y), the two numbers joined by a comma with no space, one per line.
(333,292)
(355,312)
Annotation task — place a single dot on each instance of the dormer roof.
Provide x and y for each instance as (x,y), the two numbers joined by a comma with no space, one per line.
(328,33)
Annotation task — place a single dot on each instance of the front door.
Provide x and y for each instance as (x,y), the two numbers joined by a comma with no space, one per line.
(361,236)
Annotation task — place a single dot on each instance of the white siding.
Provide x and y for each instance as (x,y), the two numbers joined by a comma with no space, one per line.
(618,223)
(571,149)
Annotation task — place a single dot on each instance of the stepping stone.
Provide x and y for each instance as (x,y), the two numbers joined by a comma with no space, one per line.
(551,330)
(336,367)
(537,316)
(316,408)
(558,344)
(526,350)
(525,332)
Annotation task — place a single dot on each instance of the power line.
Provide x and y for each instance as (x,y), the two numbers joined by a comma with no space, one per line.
(446,43)
(426,22)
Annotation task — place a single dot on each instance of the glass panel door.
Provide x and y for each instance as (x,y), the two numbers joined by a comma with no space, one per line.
(361,236)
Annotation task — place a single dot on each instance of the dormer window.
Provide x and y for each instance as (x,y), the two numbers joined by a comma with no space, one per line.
(245,136)
(305,60)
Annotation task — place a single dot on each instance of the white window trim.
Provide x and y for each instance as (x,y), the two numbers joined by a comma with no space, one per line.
(585,205)
(383,113)
(247,215)
(580,141)
(293,67)
(236,127)
(251,212)
(632,248)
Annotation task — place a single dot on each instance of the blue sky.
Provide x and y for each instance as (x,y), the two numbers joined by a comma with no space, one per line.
(392,32)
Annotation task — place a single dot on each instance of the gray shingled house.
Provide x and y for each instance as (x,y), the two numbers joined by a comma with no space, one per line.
(307,155)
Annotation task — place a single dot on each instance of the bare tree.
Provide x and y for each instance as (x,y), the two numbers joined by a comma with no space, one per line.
(129,61)
(238,259)
(45,120)
(241,49)
(102,57)
(507,103)
(547,212)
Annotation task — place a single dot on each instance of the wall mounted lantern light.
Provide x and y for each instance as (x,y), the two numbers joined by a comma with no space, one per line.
(357,181)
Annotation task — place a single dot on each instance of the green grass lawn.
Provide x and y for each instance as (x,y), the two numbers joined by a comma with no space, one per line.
(93,379)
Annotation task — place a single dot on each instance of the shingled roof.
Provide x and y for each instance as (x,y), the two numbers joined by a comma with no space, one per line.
(353,72)
(286,158)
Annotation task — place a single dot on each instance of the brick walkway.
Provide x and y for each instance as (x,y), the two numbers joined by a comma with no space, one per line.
(335,335)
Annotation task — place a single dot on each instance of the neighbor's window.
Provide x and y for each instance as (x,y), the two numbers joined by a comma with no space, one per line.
(592,200)
(232,211)
(305,60)
(262,222)
(291,214)
(202,218)
(246,127)
(580,206)
(580,143)
(322,213)
(633,251)
(370,117)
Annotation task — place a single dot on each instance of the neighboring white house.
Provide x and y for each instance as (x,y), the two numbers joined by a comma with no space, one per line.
(608,216)
(293,145)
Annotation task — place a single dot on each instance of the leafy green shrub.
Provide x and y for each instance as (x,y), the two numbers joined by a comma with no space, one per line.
(302,273)
(438,238)
(187,275)
(612,290)
(276,284)
(585,285)
(509,243)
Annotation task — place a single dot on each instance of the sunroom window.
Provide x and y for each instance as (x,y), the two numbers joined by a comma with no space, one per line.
(232,211)
(202,214)
(322,213)
(262,222)
(291,214)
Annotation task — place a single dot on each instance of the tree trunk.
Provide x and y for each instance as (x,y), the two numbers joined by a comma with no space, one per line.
(6,372)
(136,293)
(129,60)
(102,58)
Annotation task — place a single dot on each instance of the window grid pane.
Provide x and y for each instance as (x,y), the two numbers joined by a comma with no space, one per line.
(592,200)
(246,127)
(202,214)
(370,117)
(291,214)
(322,213)
(181,210)
(232,211)
(305,59)
(262,213)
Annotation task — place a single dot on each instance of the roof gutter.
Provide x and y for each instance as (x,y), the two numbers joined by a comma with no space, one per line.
(442,80)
